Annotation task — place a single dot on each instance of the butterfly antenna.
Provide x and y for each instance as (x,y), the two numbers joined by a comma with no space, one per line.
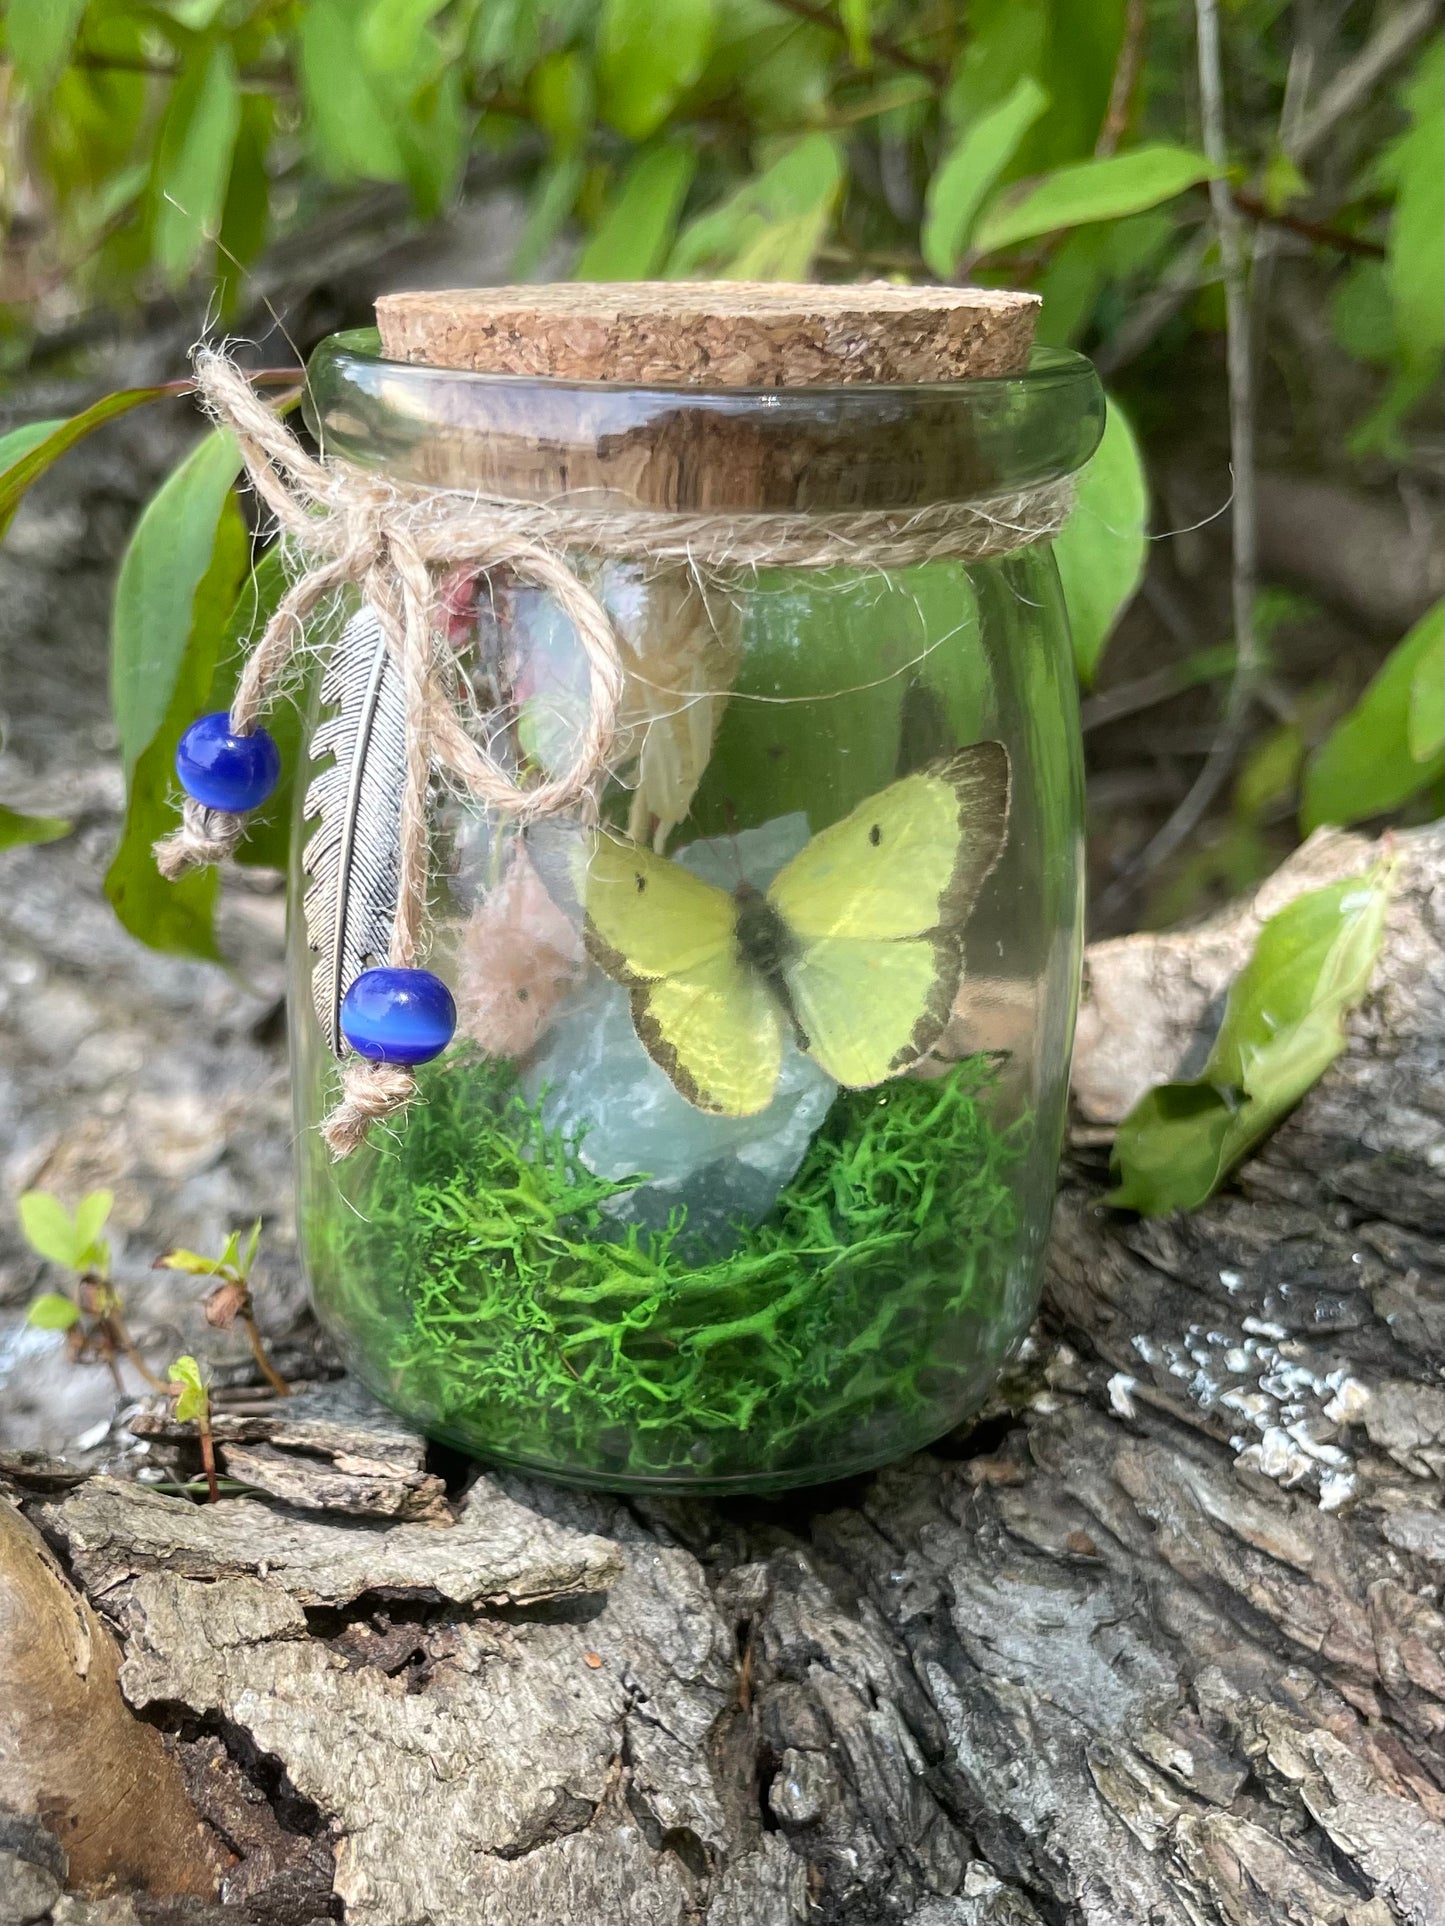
(730,820)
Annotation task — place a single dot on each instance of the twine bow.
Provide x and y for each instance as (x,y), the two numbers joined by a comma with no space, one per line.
(357,531)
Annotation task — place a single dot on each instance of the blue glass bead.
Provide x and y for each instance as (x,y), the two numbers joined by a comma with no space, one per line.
(398,1016)
(223,770)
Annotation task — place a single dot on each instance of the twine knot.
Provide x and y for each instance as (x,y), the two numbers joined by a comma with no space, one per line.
(205,836)
(369,1092)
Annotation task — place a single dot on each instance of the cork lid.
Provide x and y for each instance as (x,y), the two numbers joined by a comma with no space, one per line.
(715,334)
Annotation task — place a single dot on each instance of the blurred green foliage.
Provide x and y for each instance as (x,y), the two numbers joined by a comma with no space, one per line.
(1021,141)
(156,145)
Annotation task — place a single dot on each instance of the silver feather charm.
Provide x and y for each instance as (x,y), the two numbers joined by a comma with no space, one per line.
(351,858)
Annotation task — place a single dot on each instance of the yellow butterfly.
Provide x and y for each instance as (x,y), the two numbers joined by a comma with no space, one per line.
(857,942)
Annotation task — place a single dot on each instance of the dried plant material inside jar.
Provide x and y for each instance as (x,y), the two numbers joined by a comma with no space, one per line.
(738,1172)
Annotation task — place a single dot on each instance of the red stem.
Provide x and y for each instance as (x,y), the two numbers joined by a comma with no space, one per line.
(208,1457)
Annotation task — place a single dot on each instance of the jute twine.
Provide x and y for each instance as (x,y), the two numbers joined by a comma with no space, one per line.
(396,543)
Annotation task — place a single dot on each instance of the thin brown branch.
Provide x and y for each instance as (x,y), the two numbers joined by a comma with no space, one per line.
(208,1457)
(250,79)
(1144,692)
(1127,69)
(112,1362)
(1319,232)
(121,1338)
(258,1351)
(884,44)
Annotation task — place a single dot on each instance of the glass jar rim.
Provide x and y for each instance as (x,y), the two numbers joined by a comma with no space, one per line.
(845,446)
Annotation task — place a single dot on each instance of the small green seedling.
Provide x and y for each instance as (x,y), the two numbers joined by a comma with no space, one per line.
(191,1398)
(231,1298)
(91,1314)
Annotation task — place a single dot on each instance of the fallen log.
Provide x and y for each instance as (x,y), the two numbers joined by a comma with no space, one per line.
(1156,1640)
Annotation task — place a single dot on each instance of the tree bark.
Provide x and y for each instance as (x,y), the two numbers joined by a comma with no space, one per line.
(1155,1642)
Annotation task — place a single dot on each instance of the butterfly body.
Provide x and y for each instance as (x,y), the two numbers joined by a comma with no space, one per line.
(855,945)
(763,938)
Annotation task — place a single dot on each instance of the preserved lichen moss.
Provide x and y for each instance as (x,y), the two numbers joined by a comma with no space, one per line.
(480,1281)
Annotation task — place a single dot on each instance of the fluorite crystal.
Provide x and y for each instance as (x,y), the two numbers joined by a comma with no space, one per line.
(594,1077)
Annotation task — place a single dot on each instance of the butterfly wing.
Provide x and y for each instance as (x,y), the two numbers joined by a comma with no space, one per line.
(876,907)
(703,1015)
(866,1010)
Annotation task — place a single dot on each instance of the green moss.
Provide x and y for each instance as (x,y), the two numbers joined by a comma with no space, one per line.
(479,1282)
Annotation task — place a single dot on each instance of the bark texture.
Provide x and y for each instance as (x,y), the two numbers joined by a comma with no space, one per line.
(1157,1642)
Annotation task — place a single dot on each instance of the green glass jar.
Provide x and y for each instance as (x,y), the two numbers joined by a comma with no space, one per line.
(739,1170)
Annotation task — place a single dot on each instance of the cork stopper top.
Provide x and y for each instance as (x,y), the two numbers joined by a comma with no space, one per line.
(715,334)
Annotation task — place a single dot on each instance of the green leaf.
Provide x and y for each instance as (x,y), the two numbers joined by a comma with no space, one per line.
(1281,182)
(394,33)
(1283,1026)
(433,137)
(1415,263)
(177,917)
(193,161)
(26,453)
(1093,190)
(267,838)
(51,1312)
(1077,66)
(969,170)
(90,1216)
(1102,548)
(40,34)
(1362,316)
(771,228)
(1005,42)
(253,1244)
(245,217)
(782,68)
(561,98)
(19,441)
(349,121)
(155,594)
(1269,775)
(553,198)
(1425,724)
(16,829)
(1070,283)
(191,1263)
(1389,747)
(48,1228)
(648,54)
(633,239)
(188,1387)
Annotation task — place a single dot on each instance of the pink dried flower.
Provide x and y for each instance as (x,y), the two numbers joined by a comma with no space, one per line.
(520,955)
